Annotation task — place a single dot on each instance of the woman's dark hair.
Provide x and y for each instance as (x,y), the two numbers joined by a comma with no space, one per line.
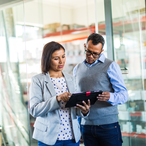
(48,50)
(96,39)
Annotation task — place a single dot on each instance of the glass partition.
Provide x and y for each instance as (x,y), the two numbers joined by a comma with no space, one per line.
(14,113)
(129,29)
(100,21)
(74,38)
(129,23)
(23,35)
(68,27)
(59,21)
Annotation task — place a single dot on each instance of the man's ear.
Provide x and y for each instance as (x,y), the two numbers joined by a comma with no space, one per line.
(102,50)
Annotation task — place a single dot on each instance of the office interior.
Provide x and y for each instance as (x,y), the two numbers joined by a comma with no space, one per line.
(26,25)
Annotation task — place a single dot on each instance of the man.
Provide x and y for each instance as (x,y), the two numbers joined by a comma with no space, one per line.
(101,127)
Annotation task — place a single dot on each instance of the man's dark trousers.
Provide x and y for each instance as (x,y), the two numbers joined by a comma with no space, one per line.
(102,135)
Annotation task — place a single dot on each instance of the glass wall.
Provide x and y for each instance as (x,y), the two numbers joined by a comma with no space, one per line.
(23,36)
(129,28)
(25,28)
(14,114)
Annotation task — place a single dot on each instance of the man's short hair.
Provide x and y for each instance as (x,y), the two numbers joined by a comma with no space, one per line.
(96,39)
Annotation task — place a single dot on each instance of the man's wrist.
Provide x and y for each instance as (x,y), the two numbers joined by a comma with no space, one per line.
(84,114)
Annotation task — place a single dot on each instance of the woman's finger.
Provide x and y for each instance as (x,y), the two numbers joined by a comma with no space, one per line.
(82,108)
(89,103)
(84,103)
(79,106)
(69,94)
(66,98)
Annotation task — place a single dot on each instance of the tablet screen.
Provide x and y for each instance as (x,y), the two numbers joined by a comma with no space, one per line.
(77,98)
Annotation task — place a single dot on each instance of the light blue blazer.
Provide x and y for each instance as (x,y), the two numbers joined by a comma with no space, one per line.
(45,107)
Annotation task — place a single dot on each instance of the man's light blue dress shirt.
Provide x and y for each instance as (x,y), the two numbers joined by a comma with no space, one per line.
(120,94)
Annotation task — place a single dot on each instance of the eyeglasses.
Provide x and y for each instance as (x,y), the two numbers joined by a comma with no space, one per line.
(95,55)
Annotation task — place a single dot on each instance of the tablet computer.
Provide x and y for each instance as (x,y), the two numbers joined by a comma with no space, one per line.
(77,98)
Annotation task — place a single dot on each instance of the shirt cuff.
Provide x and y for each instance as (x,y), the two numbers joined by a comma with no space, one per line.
(84,116)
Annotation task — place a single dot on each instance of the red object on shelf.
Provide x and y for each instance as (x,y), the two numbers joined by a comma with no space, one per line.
(81,38)
(100,26)
(90,28)
(31,124)
(134,134)
(135,114)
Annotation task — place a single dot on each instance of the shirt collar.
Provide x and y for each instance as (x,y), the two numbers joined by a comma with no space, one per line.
(101,59)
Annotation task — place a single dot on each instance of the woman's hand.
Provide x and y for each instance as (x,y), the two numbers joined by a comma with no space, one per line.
(84,109)
(64,97)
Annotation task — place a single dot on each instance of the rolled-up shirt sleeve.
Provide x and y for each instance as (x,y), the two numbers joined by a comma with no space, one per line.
(120,94)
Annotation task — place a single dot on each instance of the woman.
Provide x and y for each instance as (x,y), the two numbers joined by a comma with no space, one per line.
(55,125)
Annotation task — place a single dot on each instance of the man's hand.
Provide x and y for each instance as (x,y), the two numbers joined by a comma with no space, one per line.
(84,109)
(104,96)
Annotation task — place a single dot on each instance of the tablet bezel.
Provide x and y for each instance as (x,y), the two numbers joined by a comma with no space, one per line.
(77,98)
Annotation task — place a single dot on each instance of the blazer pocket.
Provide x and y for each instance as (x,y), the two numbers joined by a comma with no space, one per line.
(40,126)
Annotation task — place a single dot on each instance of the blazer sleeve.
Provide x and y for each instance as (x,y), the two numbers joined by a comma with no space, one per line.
(39,106)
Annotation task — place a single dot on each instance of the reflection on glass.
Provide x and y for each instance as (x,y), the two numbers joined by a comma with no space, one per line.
(14,112)
(129,38)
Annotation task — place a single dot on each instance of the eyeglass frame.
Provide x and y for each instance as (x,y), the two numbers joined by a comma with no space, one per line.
(91,53)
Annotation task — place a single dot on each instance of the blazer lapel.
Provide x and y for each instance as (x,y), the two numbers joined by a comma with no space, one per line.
(69,82)
(49,84)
